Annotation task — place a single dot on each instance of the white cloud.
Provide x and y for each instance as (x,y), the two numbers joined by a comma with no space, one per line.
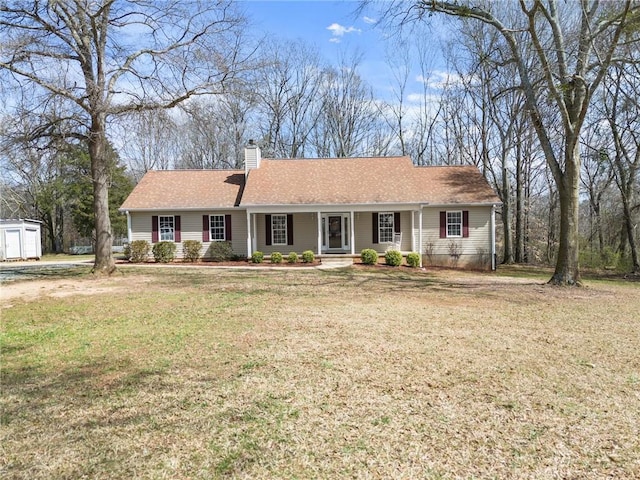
(334,40)
(369,20)
(338,30)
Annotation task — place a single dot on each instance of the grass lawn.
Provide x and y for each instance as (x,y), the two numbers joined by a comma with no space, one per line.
(357,373)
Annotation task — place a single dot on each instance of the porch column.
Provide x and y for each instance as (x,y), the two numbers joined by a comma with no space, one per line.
(413,231)
(420,228)
(254,231)
(249,243)
(352,232)
(319,227)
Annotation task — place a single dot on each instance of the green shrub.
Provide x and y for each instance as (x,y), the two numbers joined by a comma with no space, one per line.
(276,257)
(308,256)
(191,250)
(164,252)
(257,257)
(413,259)
(369,256)
(292,257)
(393,258)
(139,251)
(220,252)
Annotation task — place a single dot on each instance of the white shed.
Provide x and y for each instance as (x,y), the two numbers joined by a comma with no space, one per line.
(20,239)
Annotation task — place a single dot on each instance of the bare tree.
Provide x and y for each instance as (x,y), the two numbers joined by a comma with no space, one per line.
(349,112)
(622,90)
(287,87)
(149,141)
(574,44)
(212,133)
(110,57)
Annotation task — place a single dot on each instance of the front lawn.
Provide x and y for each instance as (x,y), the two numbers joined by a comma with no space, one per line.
(356,373)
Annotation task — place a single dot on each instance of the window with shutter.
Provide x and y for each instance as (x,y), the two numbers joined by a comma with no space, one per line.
(385,227)
(217,228)
(279,229)
(454,224)
(166,228)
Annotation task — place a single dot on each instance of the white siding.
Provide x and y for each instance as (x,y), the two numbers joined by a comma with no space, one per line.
(474,250)
(191,228)
(364,232)
(305,236)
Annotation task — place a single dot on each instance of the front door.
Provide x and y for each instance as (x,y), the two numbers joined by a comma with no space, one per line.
(335,231)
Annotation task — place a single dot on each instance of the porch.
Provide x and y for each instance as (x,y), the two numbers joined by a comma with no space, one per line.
(340,233)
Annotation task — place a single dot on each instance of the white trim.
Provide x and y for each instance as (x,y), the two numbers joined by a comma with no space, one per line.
(129,228)
(250,228)
(420,232)
(393,226)
(345,233)
(369,207)
(173,228)
(413,230)
(446,224)
(319,230)
(224,227)
(286,229)
(352,232)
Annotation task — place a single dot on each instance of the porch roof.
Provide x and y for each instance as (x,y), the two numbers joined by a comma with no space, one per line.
(362,181)
(186,189)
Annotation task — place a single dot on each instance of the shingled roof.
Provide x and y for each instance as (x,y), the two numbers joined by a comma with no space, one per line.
(362,181)
(186,190)
(328,181)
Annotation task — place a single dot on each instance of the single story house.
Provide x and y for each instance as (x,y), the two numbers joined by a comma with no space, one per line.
(20,239)
(327,205)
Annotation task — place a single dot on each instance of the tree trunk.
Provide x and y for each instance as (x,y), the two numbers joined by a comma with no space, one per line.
(567,270)
(635,267)
(519,250)
(100,166)
(506,215)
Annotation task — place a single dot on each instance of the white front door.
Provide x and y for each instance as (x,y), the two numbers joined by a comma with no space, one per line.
(335,231)
(12,243)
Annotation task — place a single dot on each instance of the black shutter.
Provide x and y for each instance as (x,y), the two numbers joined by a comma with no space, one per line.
(374,228)
(443,224)
(227,228)
(465,223)
(289,229)
(396,222)
(267,223)
(154,229)
(205,228)
(177,233)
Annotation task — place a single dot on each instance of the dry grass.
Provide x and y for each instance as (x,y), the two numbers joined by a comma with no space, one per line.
(191,373)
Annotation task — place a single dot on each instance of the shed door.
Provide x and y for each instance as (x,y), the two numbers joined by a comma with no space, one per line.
(31,242)
(12,243)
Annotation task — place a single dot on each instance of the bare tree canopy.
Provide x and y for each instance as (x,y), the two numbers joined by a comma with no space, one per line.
(574,45)
(111,57)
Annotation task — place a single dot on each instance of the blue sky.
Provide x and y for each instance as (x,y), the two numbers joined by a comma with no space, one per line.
(336,29)
(332,26)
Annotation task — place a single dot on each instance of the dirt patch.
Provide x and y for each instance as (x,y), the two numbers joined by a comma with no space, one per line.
(88,285)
